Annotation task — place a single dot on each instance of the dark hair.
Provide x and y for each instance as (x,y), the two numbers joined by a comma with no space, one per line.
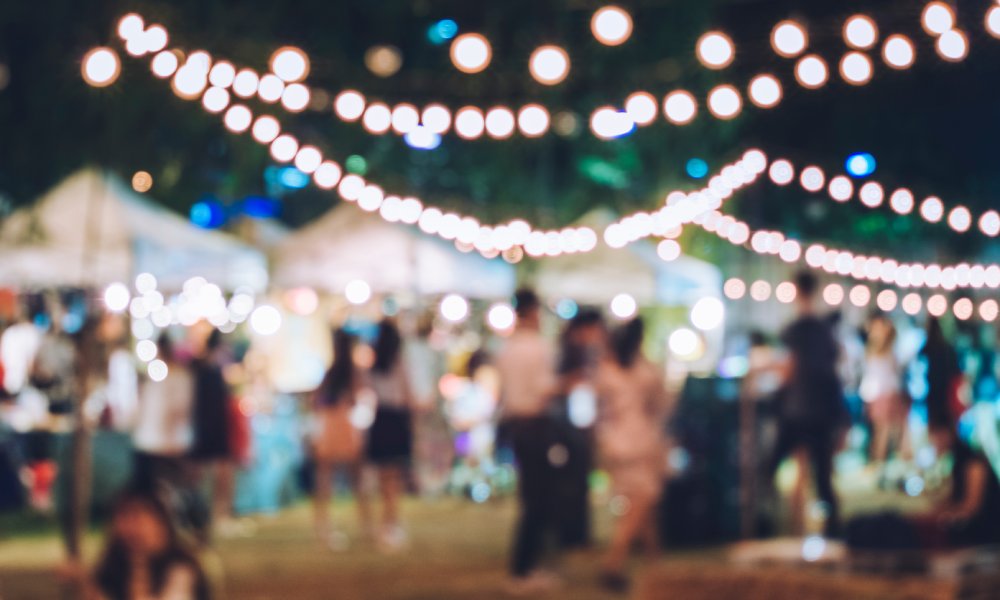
(340,376)
(585,318)
(806,283)
(757,338)
(525,301)
(165,347)
(387,346)
(214,340)
(935,334)
(113,576)
(626,342)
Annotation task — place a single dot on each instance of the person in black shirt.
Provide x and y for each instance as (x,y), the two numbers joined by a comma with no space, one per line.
(812,412)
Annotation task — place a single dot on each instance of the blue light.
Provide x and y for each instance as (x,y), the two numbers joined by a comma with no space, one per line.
(422,138)
(260,207)
(566,308)
(442,31)
(208,214)
(696,168)
(290,177)
(860,164)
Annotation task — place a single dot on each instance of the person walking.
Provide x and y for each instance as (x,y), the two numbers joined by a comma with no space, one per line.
(337,443)
(390,439)
(528,385)
(812,412)
(633,409)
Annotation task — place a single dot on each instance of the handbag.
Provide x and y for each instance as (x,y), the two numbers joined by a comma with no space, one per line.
(336,439)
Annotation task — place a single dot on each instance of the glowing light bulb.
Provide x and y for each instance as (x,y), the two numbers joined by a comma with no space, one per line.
(237,118)
(500,122)
(245,83)
(708,313)
(937,18)
(501,317)
(284,148)
(164,64)
(680,107)
(932,209)
(734,289)
(715,50)
(454,308)
(860,32)
(641,108)
(377,118)
(471,53)
(130,26)
(116,297)
(101,67)
(265,129)
(833,294)
(811,72)
(623,306)
(308,159)
(405,118)
(856,68)
(469,122)
(781,172)
(223,74)
(611,25)
(290,64)
(327,175)
(349,105)
(549,65)
(789,39)
(724,102)
(295,98)
(812,178)
(533,120)
(952,45)
(898,52)
(436,118)
(765,91)
(357,292)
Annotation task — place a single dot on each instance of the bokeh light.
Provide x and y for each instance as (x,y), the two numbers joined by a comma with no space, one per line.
(898,52)
(471,53)
(623,306)
(454,308)
(860,32)
(101,67)
(549,65)
(289,63)
(765,91)
(265,320)
(856,68)
(349,105)
(937,18)
(811,72)
(715,50)
(724,102)
(708,313)
(357,292)
(611,25)
(789,39)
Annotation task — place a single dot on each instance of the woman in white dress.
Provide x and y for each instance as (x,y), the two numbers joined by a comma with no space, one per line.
(633,407)
(881,390)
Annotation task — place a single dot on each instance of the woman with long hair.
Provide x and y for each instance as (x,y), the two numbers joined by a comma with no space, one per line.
(337,442)
(143,558)
(633,407)
(882,390)
(390,438)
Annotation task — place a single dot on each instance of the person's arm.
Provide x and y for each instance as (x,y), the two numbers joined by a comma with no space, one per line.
(975,476)
(180,584)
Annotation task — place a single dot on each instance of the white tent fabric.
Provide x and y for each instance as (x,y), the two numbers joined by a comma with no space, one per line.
(347,244)
(598,276)
(92,230)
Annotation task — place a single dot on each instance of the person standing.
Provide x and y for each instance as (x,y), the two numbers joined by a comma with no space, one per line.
(390,439)
(211,448)
(944,373)
(881,390)
(812,413)
(630,439)
(162,434)
(337,443)
(528,384)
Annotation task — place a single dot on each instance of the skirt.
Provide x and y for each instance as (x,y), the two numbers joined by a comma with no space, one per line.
(390,439)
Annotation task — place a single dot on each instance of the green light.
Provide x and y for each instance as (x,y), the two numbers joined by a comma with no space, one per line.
(356,164)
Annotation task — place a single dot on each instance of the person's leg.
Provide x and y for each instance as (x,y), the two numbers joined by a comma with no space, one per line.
(225,483)
(361,498)
(880,432)
(821,449)
(626,531)
(530,451)
(321,498)
(797,499)
(390,483)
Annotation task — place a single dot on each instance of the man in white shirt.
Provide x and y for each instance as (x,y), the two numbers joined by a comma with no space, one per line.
(528,385)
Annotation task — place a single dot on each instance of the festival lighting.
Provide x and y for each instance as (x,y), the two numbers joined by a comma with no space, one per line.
(222,74)
(349,105)
(611,25)
(215,99)
(641,108)
(289,63)
(708,313)
(623,306)
(860,32)
(435,117)
(952,45)
(357,292)
(789,39)
(765,91)
(856,68)
(469,123)
(377,118)
(937,18)
(265,320)
(116,297)
(680,107)
(549,65)
(284,147)
(898,52)
(238,118)
(454,308)
(533,120)
(383,61)
(685,344)
(471,53)
(860,164)
(734,289)
(725,102)
(668,250)
(145,350)
(405,118)
(422,138)
(715,50)
(811,72)
(164,64)
(500,122)
(265,129)
(130,26)
(501,317)
(101,67)
(246,83)
(608,123)
(295,98)
(696,168)
(157,370)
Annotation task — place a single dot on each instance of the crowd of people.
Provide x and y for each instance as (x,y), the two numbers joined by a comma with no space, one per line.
(589,399)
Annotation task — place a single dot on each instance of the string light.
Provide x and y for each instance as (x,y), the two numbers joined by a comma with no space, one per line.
(469,123)
(952,45)
(471,53)
(641,108)
(500,122)
(715,50)
(724,102)
(898,52)
(860,32)
(245,83)
(856,68)
(549,65)
(765,91)
(611,25)
(377,118)
(937,18)
(290,64)
(680,107)
(100,67)
(789,39)
(811,72)
(165,64)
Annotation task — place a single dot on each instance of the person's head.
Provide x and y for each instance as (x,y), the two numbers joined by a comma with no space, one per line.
(340,376)
(586,328)
(626,342)
(942,430)
(343,345)
(528,308)
(165,348)
(141,525)
(881,335)
(806,286)
(758,339)
(388,344)
(935,333)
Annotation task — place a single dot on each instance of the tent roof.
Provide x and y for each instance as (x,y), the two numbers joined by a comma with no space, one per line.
(91,229)
(347,243)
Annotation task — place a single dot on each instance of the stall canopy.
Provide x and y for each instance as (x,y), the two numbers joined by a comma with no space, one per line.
(347,244)
(92,230)
(597,276)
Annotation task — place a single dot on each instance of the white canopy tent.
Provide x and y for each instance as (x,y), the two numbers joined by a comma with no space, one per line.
(92,230)
(598,276)
(347,244)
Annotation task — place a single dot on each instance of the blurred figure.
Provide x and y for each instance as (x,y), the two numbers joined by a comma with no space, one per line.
(53,371)
(582,345)
(212,446)
(390,439)
(528,385)
(630,436)
(337,443)
(882,391)
(18,348)
(812,413)
(143,558)
(944,374)
(162,435)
